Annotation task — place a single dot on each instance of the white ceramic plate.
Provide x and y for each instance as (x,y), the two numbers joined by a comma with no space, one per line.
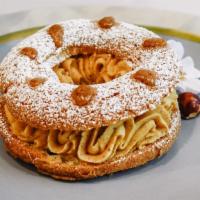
(174,176)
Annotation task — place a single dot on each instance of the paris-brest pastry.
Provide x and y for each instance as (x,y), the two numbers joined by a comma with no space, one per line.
(86,98)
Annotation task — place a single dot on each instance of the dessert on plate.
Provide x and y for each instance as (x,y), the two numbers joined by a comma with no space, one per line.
(85,98)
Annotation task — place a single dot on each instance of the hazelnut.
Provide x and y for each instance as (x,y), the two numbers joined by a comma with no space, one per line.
(106,22)
(35,82)
(145,76)
(56,32)
(83,94)
(30,52)
(189,104)
(154,42)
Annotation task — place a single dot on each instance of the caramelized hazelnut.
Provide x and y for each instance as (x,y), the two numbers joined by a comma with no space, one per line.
(154,42)
(35,82)
(83,94)
(30,52)
(189,105)
(56,32)
(106,22)
(145,76)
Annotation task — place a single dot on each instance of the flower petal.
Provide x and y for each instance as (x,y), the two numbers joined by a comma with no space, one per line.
(189,69)
(190,85)
(177,47)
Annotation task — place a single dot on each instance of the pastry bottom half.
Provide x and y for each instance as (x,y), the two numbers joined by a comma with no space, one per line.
(75,155)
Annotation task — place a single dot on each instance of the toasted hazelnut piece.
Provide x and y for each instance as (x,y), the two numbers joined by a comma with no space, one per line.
(29,51)
(106,22)
(189,105)
(83,94)
(56,32)
(145,76)
(35,82)
(154,42)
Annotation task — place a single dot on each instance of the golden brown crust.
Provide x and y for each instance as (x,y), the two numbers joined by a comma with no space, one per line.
(50,105)
(84,49)
(75,171)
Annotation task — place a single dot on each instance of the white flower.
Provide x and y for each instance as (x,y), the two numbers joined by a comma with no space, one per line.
(178,48)
(192,74)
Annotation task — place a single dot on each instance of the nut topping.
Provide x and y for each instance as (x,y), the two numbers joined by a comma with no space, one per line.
(106,22)
(145,76)
(83,94)
(30,52)
(154,42)
(35,82)
(56,32)
(189,105)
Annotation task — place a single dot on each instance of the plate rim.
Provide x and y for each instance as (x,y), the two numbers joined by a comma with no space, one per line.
(160,30)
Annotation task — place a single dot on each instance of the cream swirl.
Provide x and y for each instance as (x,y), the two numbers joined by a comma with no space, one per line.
(100,144)
(88,69)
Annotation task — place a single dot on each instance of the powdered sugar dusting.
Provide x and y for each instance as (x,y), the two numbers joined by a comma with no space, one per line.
(50,106)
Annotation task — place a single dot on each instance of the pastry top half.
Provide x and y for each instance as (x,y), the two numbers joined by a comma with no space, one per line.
(142,70)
